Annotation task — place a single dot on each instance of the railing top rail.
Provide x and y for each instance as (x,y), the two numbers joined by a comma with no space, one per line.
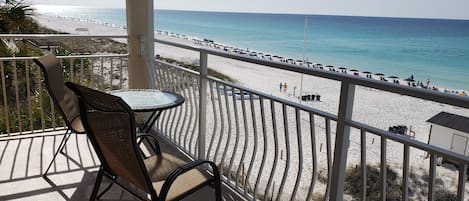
(55,36)
(411,142)
(262,94)
(351,79)
(65,57)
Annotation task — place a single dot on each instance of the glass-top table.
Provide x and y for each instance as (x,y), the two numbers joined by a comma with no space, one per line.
(149,100)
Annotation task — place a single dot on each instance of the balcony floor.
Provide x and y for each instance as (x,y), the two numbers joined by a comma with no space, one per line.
(24,158)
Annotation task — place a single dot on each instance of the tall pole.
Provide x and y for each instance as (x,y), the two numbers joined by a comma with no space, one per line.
(304,55)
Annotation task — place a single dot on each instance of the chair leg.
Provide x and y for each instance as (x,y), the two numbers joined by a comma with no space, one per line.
(217,187)
(97,183)
(61,145)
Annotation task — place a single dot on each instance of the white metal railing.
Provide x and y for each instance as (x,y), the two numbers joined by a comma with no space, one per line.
(247,134)
(25,104)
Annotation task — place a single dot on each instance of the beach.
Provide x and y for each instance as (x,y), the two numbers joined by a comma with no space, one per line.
(373,107)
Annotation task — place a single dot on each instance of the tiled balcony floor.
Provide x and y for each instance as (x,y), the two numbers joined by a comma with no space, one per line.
(23,159)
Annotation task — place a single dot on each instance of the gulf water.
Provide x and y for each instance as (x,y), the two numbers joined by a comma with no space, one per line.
(437,49)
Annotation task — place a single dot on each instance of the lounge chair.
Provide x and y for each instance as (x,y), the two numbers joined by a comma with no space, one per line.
(110,125)
(63,98)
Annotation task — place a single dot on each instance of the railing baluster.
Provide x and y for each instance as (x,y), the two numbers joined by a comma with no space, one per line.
(237,129)
(174,110)
(190,108)
(196,115)
(300,153)
(185,106)
(178,89)
(215,120)
(329,158)
(405,173)
(17,96)
(314,175)
(363,163)
(383,169)
(111,70)
(82,65)
(246,139)
(52,110)
(72,70)
(222,122)
(287,144)
(274,132)
(5,100)
(254,151)
(228,139)
(264,152)
(431,177)
(121,69)
(28,96)
(41,104)
(92,62)
(196,126)
(102,74)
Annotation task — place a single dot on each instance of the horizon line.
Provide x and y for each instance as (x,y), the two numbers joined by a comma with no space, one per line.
(266,12)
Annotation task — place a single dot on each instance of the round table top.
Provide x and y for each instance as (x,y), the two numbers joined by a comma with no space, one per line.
(143,100)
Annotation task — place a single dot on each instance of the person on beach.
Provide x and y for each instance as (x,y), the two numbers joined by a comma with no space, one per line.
(428,83)
(285,87)
(281,85)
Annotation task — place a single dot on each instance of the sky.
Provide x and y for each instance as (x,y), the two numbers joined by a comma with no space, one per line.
(447,9)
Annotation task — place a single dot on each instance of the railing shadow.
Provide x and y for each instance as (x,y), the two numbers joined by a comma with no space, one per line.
(23,160)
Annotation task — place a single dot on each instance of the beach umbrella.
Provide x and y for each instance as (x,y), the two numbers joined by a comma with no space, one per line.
(342,68)
(379,74)
(366,72)
(393,77)
(354,70)
(330,66)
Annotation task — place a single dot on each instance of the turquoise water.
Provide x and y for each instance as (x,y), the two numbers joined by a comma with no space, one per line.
(427,48)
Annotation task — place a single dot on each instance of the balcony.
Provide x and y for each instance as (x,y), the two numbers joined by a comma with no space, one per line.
(267,146)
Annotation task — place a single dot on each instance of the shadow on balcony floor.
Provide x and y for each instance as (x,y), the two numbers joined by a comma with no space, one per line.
(23,159)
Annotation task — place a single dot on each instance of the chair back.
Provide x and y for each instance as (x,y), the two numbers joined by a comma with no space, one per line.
(64,99)
(110,125)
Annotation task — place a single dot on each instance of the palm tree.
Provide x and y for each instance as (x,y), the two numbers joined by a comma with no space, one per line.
(15,17)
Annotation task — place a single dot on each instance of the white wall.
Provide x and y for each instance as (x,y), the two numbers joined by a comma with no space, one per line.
(442,137)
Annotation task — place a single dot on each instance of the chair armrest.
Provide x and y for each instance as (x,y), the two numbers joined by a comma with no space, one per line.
(154,144)
(182,169)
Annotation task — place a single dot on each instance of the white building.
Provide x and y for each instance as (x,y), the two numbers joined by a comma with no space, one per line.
(450,131)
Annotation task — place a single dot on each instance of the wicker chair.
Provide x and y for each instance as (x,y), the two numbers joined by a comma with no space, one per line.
(64,99)
(110,125)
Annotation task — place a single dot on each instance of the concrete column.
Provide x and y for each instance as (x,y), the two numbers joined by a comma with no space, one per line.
(140,32)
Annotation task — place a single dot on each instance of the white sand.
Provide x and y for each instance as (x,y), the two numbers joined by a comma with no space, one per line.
(375,108)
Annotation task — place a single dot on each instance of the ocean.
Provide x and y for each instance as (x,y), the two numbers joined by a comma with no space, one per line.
(437,49)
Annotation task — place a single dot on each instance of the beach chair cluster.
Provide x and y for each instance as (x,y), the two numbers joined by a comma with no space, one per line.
(311,97)
(399,129)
